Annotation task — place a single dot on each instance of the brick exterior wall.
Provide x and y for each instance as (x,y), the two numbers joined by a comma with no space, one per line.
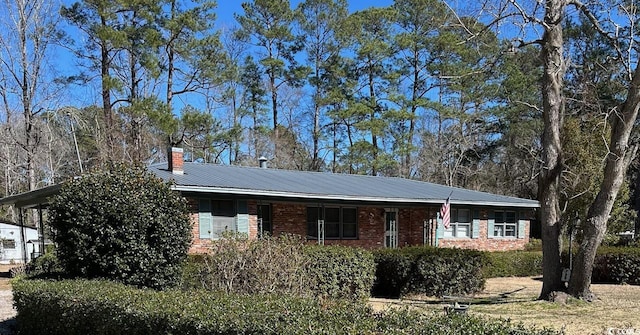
(253,219)
(291,218)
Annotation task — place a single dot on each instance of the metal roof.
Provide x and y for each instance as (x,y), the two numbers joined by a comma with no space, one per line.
(237,180)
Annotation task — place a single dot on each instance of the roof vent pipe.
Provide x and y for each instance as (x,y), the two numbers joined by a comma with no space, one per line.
(263,162)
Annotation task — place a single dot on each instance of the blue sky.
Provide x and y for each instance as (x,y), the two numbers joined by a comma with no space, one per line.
(226,8)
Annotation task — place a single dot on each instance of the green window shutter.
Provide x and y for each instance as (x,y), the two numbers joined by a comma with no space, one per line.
(490,222)
(521,228)
(439,228)
(205,219)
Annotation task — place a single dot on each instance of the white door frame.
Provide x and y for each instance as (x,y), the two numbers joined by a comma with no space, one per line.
(391,228)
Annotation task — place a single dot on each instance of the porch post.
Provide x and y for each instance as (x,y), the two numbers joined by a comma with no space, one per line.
(41,231)
(22,235)
(438,229)
(425,232)
(321,224)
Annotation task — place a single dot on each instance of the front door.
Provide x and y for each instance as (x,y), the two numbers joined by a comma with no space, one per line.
(391,228)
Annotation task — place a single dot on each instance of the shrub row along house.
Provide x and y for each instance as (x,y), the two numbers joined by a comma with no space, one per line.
(326,208)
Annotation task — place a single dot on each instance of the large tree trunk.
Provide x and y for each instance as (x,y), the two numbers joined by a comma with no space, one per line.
(617,163)
(553,109)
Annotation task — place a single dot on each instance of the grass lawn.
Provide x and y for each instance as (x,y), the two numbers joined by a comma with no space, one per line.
(616,311)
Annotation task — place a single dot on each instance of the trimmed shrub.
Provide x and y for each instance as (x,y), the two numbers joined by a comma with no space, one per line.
(45,266)
(512,264)
(192,272)
(339,272)
(428,270)
(535,244)
(123,224)
(282,265)
(101,307)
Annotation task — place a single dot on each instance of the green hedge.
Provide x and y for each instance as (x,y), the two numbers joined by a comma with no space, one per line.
(101,307)
(339,272)
(512,264)
(428,270)
(617,265)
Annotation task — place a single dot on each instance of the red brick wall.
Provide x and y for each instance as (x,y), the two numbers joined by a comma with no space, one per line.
(292,219)
(289,218)
(253,219)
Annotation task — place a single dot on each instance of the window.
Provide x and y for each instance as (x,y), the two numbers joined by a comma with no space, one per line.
(339,222)
(224,213)
(216,217)
(460,223)
(8,244)
(505,224)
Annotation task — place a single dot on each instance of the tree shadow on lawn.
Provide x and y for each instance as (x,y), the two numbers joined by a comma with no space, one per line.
(500,298)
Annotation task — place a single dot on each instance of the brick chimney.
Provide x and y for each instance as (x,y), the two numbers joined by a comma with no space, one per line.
(176,161)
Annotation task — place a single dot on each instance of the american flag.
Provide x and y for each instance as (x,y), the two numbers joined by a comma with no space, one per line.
(445,213)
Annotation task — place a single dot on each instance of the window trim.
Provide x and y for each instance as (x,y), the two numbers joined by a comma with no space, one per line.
(209,211)
(455,223)
(341,223)
(5,247)
(504,224)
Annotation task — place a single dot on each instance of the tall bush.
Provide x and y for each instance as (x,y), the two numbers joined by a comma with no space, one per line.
(124,224)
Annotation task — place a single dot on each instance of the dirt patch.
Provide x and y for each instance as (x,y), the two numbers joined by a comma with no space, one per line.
(7,312)
(615,312)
